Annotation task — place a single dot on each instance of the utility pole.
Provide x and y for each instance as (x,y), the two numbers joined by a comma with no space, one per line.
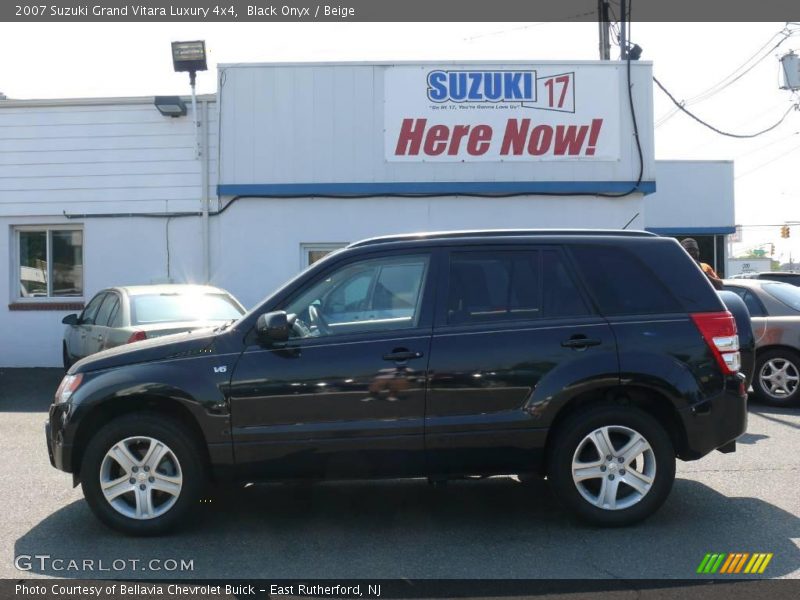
(603,29)
(623,34)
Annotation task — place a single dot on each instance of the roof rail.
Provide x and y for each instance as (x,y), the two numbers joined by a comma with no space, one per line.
(477,233)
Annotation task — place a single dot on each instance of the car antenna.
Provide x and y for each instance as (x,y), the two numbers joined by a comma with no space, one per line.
(631,221)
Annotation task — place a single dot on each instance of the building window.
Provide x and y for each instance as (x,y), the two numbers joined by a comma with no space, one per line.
(311,253)
(49,262)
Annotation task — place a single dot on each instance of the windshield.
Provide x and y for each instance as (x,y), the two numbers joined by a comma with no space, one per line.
(166,308)
(788,294)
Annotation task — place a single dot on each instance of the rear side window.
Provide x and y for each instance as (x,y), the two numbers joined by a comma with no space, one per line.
(511,285)
(492,286)
(560,295)
(754,306)
(621,283)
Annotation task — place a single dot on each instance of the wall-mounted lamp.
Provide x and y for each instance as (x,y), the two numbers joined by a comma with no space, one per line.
(170,106)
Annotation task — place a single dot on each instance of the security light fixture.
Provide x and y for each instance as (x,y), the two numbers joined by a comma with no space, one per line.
(189,57)
(634,52)
(170,106)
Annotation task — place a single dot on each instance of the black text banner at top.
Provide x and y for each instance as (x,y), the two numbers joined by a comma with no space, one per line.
(391,10)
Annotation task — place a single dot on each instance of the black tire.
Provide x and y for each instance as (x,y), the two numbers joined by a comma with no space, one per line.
(65,357)
(760,390)
(571,436)
(191,467)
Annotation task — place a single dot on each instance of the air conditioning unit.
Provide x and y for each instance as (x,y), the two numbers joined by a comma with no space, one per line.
(790,65)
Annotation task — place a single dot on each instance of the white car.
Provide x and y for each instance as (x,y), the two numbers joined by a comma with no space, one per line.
(122,315)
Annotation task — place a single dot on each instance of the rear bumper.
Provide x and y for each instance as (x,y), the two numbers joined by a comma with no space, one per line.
(716,422)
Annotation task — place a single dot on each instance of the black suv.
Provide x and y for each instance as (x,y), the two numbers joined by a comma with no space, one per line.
(594,358)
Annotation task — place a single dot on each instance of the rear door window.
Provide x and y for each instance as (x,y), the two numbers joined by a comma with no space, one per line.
(494,286)
(560,294)
(621,284)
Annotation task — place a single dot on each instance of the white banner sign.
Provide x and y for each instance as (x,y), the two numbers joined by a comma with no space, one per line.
(466,114)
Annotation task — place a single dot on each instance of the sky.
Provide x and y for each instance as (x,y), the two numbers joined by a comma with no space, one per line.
(56,60)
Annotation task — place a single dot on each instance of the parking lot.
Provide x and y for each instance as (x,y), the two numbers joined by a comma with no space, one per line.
(495,528)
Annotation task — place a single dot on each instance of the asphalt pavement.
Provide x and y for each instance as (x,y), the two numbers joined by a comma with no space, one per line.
(493,528)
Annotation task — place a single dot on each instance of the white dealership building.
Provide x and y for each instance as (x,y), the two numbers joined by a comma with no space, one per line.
(289,161)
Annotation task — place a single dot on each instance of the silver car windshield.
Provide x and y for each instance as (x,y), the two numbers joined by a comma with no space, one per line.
(165,308)
(788,294)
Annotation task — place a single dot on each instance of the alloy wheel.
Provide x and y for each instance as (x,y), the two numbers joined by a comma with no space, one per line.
(613,467)
(141,477)
(779,378)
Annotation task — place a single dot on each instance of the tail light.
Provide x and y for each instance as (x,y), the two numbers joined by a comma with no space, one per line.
(719,331)
(137,336)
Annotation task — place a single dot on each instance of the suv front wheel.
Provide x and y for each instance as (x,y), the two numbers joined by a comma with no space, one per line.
(612,465)
(141,474)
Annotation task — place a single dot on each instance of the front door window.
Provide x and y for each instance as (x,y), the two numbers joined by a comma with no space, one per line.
(381,294)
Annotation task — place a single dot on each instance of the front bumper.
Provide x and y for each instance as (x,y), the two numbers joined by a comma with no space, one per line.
(60,453)
(716,422)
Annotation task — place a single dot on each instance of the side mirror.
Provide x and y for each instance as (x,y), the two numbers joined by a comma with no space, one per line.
(273,327)
(70,319)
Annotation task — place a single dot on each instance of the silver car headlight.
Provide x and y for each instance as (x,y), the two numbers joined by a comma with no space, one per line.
(68,385)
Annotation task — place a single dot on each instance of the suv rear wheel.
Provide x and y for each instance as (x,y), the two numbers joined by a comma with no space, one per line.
(612,465)
(141,474)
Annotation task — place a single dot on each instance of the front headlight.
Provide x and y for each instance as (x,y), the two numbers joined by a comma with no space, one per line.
(68,385)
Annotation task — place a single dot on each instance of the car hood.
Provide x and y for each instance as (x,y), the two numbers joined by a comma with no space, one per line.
(160,348)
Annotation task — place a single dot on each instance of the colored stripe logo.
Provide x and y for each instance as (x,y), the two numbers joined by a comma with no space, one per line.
(733,563)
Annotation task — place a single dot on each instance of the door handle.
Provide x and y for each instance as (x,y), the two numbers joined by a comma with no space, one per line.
(401,354)
(580,342)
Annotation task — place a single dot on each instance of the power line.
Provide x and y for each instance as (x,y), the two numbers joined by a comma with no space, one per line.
(767,163)
(719,131)
(724,83)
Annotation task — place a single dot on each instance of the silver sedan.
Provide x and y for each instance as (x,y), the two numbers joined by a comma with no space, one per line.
(123,315)
(775,314)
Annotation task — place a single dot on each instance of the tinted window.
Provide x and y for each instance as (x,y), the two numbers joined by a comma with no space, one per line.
(370,295)
(89,313)
(754,306)
(621,284)
(106,309)
(166,308)
(487,286)
(560,295)
(788,294)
